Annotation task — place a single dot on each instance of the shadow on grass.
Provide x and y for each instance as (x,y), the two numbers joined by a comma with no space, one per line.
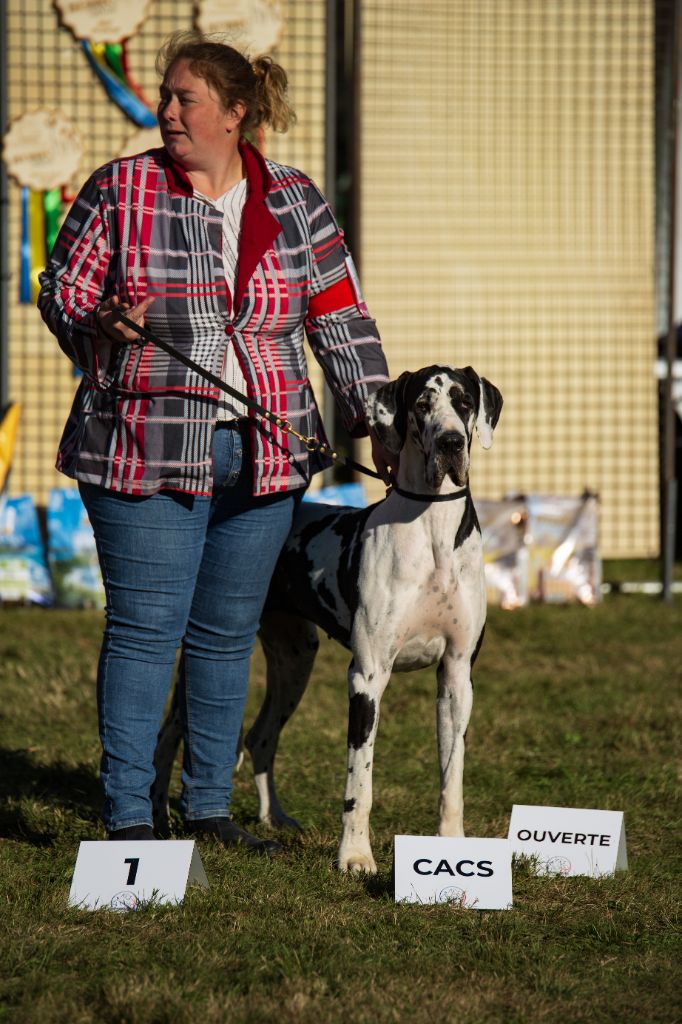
(75,790)
(381,885)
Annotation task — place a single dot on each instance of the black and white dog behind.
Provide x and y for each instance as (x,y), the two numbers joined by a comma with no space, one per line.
(400,584)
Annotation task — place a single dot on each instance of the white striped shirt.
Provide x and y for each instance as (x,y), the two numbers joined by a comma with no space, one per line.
(231,205)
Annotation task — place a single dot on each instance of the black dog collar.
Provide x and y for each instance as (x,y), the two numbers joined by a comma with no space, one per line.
(430,497)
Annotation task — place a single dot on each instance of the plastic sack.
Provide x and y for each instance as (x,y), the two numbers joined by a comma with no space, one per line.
(351,495)
(24,576)
(562,538)
(72,552)
(503,526)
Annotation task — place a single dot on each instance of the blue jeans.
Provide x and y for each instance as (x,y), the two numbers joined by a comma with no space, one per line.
(187,570)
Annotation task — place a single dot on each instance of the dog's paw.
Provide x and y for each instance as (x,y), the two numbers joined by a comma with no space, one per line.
(357,863)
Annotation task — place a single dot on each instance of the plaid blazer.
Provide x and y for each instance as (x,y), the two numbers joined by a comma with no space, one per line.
(141,421)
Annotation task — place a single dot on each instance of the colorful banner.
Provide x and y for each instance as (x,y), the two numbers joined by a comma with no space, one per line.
(110,63)
(8,436)
(41,214)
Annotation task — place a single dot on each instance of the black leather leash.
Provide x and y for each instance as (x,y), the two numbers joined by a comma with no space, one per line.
(312,444)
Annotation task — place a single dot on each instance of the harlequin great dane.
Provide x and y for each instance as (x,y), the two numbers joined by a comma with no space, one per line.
(400,584)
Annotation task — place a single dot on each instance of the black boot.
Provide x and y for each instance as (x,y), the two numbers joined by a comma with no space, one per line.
(229,834)
(131,832)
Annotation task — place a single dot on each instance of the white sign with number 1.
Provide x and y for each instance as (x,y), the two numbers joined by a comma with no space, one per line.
(124,875)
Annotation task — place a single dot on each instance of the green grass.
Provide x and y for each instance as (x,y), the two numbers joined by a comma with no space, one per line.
(637,570)
(572,707)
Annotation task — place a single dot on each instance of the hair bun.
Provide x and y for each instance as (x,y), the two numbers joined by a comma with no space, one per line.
(271,88)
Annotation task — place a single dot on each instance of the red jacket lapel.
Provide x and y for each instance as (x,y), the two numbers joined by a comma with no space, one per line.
(259,227)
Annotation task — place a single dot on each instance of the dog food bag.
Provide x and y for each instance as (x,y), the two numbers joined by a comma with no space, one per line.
(24,576)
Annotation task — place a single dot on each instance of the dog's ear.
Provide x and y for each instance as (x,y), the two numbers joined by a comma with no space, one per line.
(385,410)
(489,407)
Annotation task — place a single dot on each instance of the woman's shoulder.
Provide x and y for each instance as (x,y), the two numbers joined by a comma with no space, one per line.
(284,176)
(125,166)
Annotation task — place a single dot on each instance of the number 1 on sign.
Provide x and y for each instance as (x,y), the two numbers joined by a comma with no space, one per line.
(134,863)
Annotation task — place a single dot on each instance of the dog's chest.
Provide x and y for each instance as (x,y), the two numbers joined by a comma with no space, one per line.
(423,591)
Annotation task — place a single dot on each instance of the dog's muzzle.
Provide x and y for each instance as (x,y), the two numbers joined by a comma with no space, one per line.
(450,458)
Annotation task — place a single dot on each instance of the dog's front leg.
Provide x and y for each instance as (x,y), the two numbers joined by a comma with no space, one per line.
(455,696)
(365,689)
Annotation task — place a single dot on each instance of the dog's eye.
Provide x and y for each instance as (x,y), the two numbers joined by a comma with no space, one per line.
(462,403)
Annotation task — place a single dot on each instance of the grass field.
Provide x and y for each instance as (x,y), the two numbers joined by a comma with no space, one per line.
(572,707)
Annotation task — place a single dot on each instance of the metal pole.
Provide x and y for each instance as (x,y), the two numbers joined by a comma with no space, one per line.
(330,176)
(330,102)
(355,197)
(669,516)
(356,146)
(4,217)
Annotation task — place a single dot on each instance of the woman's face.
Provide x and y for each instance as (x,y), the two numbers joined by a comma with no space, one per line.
(196,130)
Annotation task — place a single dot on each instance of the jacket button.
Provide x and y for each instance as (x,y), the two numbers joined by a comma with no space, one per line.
(229,330)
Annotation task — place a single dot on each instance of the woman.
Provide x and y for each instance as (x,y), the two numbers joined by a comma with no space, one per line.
(230,257)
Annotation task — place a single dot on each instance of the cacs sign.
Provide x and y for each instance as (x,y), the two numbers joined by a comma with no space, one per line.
(569,840)
(474,873)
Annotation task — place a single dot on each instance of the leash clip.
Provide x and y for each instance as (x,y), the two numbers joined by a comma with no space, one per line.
(312,444)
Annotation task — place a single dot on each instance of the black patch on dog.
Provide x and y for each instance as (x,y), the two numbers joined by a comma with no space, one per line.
(348,805)
(468,524)
(493,402)
(293,591)
(463,402)
(326,596)
(350,529)
(360,719)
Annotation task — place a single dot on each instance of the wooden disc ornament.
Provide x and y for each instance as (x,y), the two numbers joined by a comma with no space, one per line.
(102,21)
(253,26)
(42,149)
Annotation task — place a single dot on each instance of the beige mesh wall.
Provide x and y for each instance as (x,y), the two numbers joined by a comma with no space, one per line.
(46,67)
(507,222)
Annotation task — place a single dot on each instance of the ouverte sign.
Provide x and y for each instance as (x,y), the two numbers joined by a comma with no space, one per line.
(569,840)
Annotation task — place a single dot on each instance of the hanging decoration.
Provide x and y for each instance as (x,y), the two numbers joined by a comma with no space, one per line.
(252,26)
(42,150)
(110,63)
(9,425)
(107,21)
(103,28)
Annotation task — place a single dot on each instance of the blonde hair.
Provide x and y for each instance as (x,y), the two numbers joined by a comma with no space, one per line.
(261,84)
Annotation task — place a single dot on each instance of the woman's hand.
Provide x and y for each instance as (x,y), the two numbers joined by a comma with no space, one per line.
(385,461)
(113,329)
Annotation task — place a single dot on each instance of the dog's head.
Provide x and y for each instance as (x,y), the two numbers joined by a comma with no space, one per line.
(436,410)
